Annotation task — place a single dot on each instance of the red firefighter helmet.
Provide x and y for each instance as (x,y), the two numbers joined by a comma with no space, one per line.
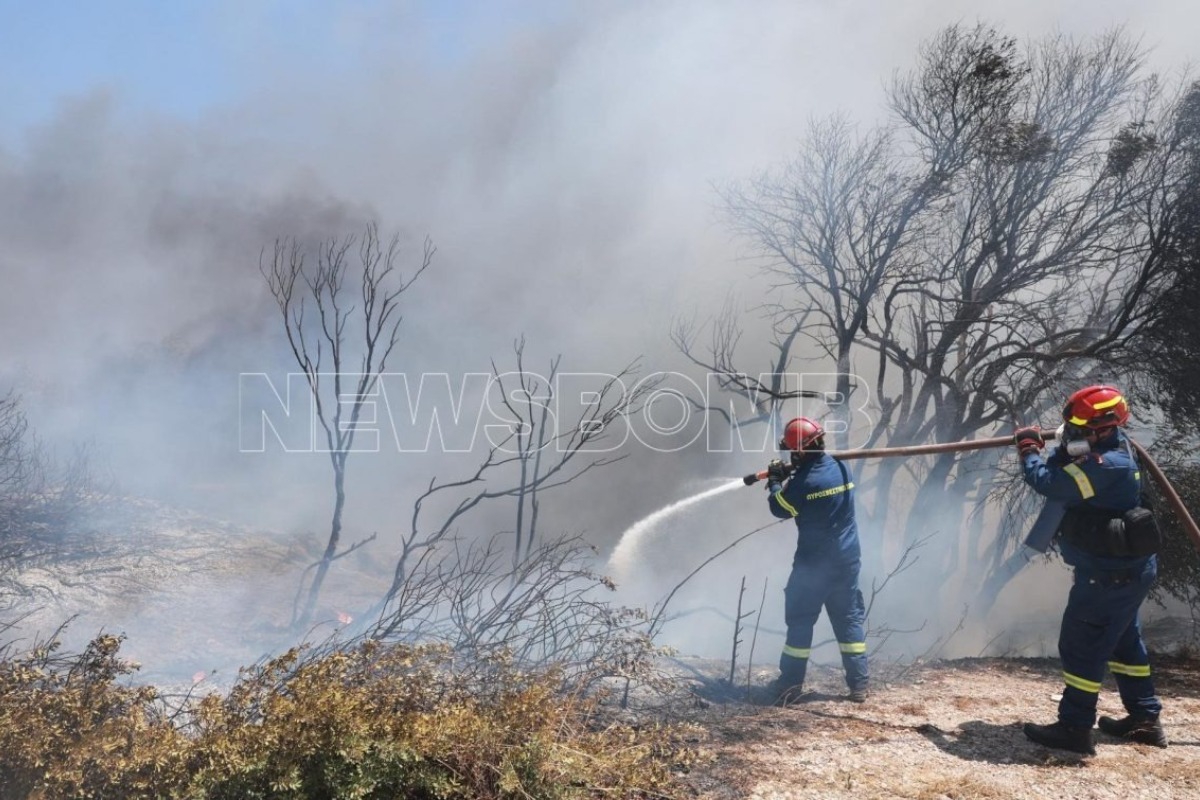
(802,433)
(1096,407)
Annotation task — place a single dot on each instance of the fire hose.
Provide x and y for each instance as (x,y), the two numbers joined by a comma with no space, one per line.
(1168,491)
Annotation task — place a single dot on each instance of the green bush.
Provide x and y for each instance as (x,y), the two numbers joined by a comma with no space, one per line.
(366,722)
(68,729)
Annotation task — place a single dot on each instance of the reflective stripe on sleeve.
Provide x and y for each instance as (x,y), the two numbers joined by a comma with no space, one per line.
(1081,480)
(1082,684)
(796,652)
(786,505)
(1132,670)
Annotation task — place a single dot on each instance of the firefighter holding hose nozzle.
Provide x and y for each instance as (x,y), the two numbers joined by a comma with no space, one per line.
(819,495)
(1110,538)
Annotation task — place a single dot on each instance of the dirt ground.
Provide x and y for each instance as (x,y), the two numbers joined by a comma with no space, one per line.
(944,730)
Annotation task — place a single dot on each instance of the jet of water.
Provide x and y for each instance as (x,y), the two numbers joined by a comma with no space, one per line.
(624,555)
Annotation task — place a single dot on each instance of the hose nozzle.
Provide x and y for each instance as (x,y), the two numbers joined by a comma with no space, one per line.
(755,477)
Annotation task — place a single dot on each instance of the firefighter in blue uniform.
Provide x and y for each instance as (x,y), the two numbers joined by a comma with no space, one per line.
(1109,537)
(819,495)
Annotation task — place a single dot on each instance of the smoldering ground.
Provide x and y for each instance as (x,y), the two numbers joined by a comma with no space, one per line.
(562,161)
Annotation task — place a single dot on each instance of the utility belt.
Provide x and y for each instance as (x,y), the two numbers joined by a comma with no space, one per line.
(1108,578)
(1132,534)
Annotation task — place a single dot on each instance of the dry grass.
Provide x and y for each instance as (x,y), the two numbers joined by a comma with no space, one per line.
(960,789)
(967,703)
(1174,770)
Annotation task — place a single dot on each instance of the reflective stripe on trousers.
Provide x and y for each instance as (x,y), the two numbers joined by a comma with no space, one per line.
(1101,630)
(834,587)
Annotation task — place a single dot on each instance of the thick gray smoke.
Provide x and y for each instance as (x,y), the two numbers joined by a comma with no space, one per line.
(561,158)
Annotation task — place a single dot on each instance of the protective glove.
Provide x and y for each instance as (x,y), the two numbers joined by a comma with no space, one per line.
(1029,440)
(776,472)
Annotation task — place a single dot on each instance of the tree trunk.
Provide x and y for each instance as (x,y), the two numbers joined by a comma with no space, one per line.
(335,534)
(521,509)
(842,412)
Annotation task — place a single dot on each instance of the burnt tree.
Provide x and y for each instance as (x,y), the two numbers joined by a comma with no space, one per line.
(1001,236)
(342,318)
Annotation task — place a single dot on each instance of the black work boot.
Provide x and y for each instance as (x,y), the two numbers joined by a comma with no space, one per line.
(860,694)
(1062,737)
(1143,730)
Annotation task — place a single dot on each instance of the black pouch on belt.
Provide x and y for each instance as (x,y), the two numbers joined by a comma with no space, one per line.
(1133,534)
(1141,534)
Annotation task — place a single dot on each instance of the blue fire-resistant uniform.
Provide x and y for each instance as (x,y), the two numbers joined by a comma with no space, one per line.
(1100,624)
(820,496)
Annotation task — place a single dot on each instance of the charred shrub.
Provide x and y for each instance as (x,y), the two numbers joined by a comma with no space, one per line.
(40,500)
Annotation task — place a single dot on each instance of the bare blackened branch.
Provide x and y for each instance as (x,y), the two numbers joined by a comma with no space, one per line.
(337,334)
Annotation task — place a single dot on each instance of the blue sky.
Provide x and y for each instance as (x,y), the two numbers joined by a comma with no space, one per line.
(184,57)
(170,56)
